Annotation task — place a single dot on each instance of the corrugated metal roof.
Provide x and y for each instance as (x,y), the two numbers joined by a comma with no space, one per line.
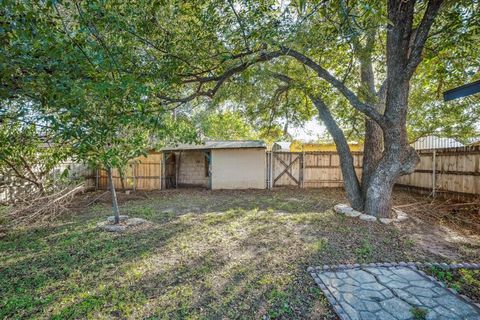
(219,144)
(434,142)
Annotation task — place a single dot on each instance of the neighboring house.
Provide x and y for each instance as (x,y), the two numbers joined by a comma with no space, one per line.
(216,165)
(434,142)
(298,146)
(283,146)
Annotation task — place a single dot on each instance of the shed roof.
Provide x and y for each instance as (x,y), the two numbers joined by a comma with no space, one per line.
(219,144)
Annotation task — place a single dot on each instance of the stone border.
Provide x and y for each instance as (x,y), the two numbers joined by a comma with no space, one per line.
(416,265)
(412,265)
(348,211)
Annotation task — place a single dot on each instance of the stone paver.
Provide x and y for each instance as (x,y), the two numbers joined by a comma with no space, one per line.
(390,293)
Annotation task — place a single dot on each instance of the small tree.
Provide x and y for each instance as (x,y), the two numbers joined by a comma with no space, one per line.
(114,151)
(107,129)
(83,82)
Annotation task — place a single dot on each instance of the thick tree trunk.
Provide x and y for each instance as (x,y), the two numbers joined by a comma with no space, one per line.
(379,190)
(372,152)
(398,157)
(373,147)
(116,212)
(396,154)
(350,179)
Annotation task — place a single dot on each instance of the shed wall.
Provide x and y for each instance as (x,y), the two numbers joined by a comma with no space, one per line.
(191,169)
(238,169)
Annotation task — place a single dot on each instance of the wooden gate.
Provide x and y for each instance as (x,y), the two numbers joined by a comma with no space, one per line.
(287,169)
(307,169)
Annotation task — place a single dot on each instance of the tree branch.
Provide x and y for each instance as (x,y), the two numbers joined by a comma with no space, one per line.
(220,79)
(240,24)
(340,86)
(367,109)
(351,183)
(20,175)
(421,36)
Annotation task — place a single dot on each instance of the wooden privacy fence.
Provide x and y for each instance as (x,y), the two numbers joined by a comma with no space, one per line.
(453,170)
(307,169)
(142,173)
(449,170)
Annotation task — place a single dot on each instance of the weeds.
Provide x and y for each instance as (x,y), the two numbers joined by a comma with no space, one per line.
(419,313)
(465,281)
(365,251)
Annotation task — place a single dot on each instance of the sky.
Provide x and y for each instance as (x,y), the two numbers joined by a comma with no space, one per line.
(311,131)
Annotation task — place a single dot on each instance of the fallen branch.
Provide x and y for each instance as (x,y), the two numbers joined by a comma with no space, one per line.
(96,199)
(45,207)
(410,204)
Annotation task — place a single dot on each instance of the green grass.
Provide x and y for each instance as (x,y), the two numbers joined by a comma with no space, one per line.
(206,255)
(365,251)
(465,281)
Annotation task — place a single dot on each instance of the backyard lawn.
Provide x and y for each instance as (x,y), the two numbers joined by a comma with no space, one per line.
(204,255)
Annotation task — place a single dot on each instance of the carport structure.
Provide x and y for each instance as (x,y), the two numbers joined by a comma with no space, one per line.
(215,165)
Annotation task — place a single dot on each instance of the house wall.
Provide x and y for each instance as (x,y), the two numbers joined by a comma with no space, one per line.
(298,146)
(238,169)
(192,169)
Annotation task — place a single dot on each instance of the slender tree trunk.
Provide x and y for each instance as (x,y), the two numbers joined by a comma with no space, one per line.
(350,179)
(116,212)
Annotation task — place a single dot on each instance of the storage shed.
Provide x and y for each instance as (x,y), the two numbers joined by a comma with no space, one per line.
(216,165)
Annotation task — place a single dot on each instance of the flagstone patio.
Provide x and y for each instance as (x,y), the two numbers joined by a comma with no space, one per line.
(391,292)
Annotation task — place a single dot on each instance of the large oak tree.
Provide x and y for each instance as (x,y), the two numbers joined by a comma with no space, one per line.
(386,43)
(350,61)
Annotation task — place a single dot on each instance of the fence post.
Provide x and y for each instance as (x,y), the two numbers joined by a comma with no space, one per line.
(134,178)
(163,182)
(96,180)
(271,170)
(434,172)
(302,184)
(267,170)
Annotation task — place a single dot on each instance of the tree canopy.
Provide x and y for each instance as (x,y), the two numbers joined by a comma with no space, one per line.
(112,78)
(55,53)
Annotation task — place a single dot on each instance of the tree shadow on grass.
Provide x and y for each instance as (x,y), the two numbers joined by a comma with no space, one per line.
(209,255)
(246,279)
(205,201)
(262,269)
(41,267)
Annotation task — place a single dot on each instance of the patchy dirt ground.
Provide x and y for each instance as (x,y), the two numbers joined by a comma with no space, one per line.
(207,255)
(447,229)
